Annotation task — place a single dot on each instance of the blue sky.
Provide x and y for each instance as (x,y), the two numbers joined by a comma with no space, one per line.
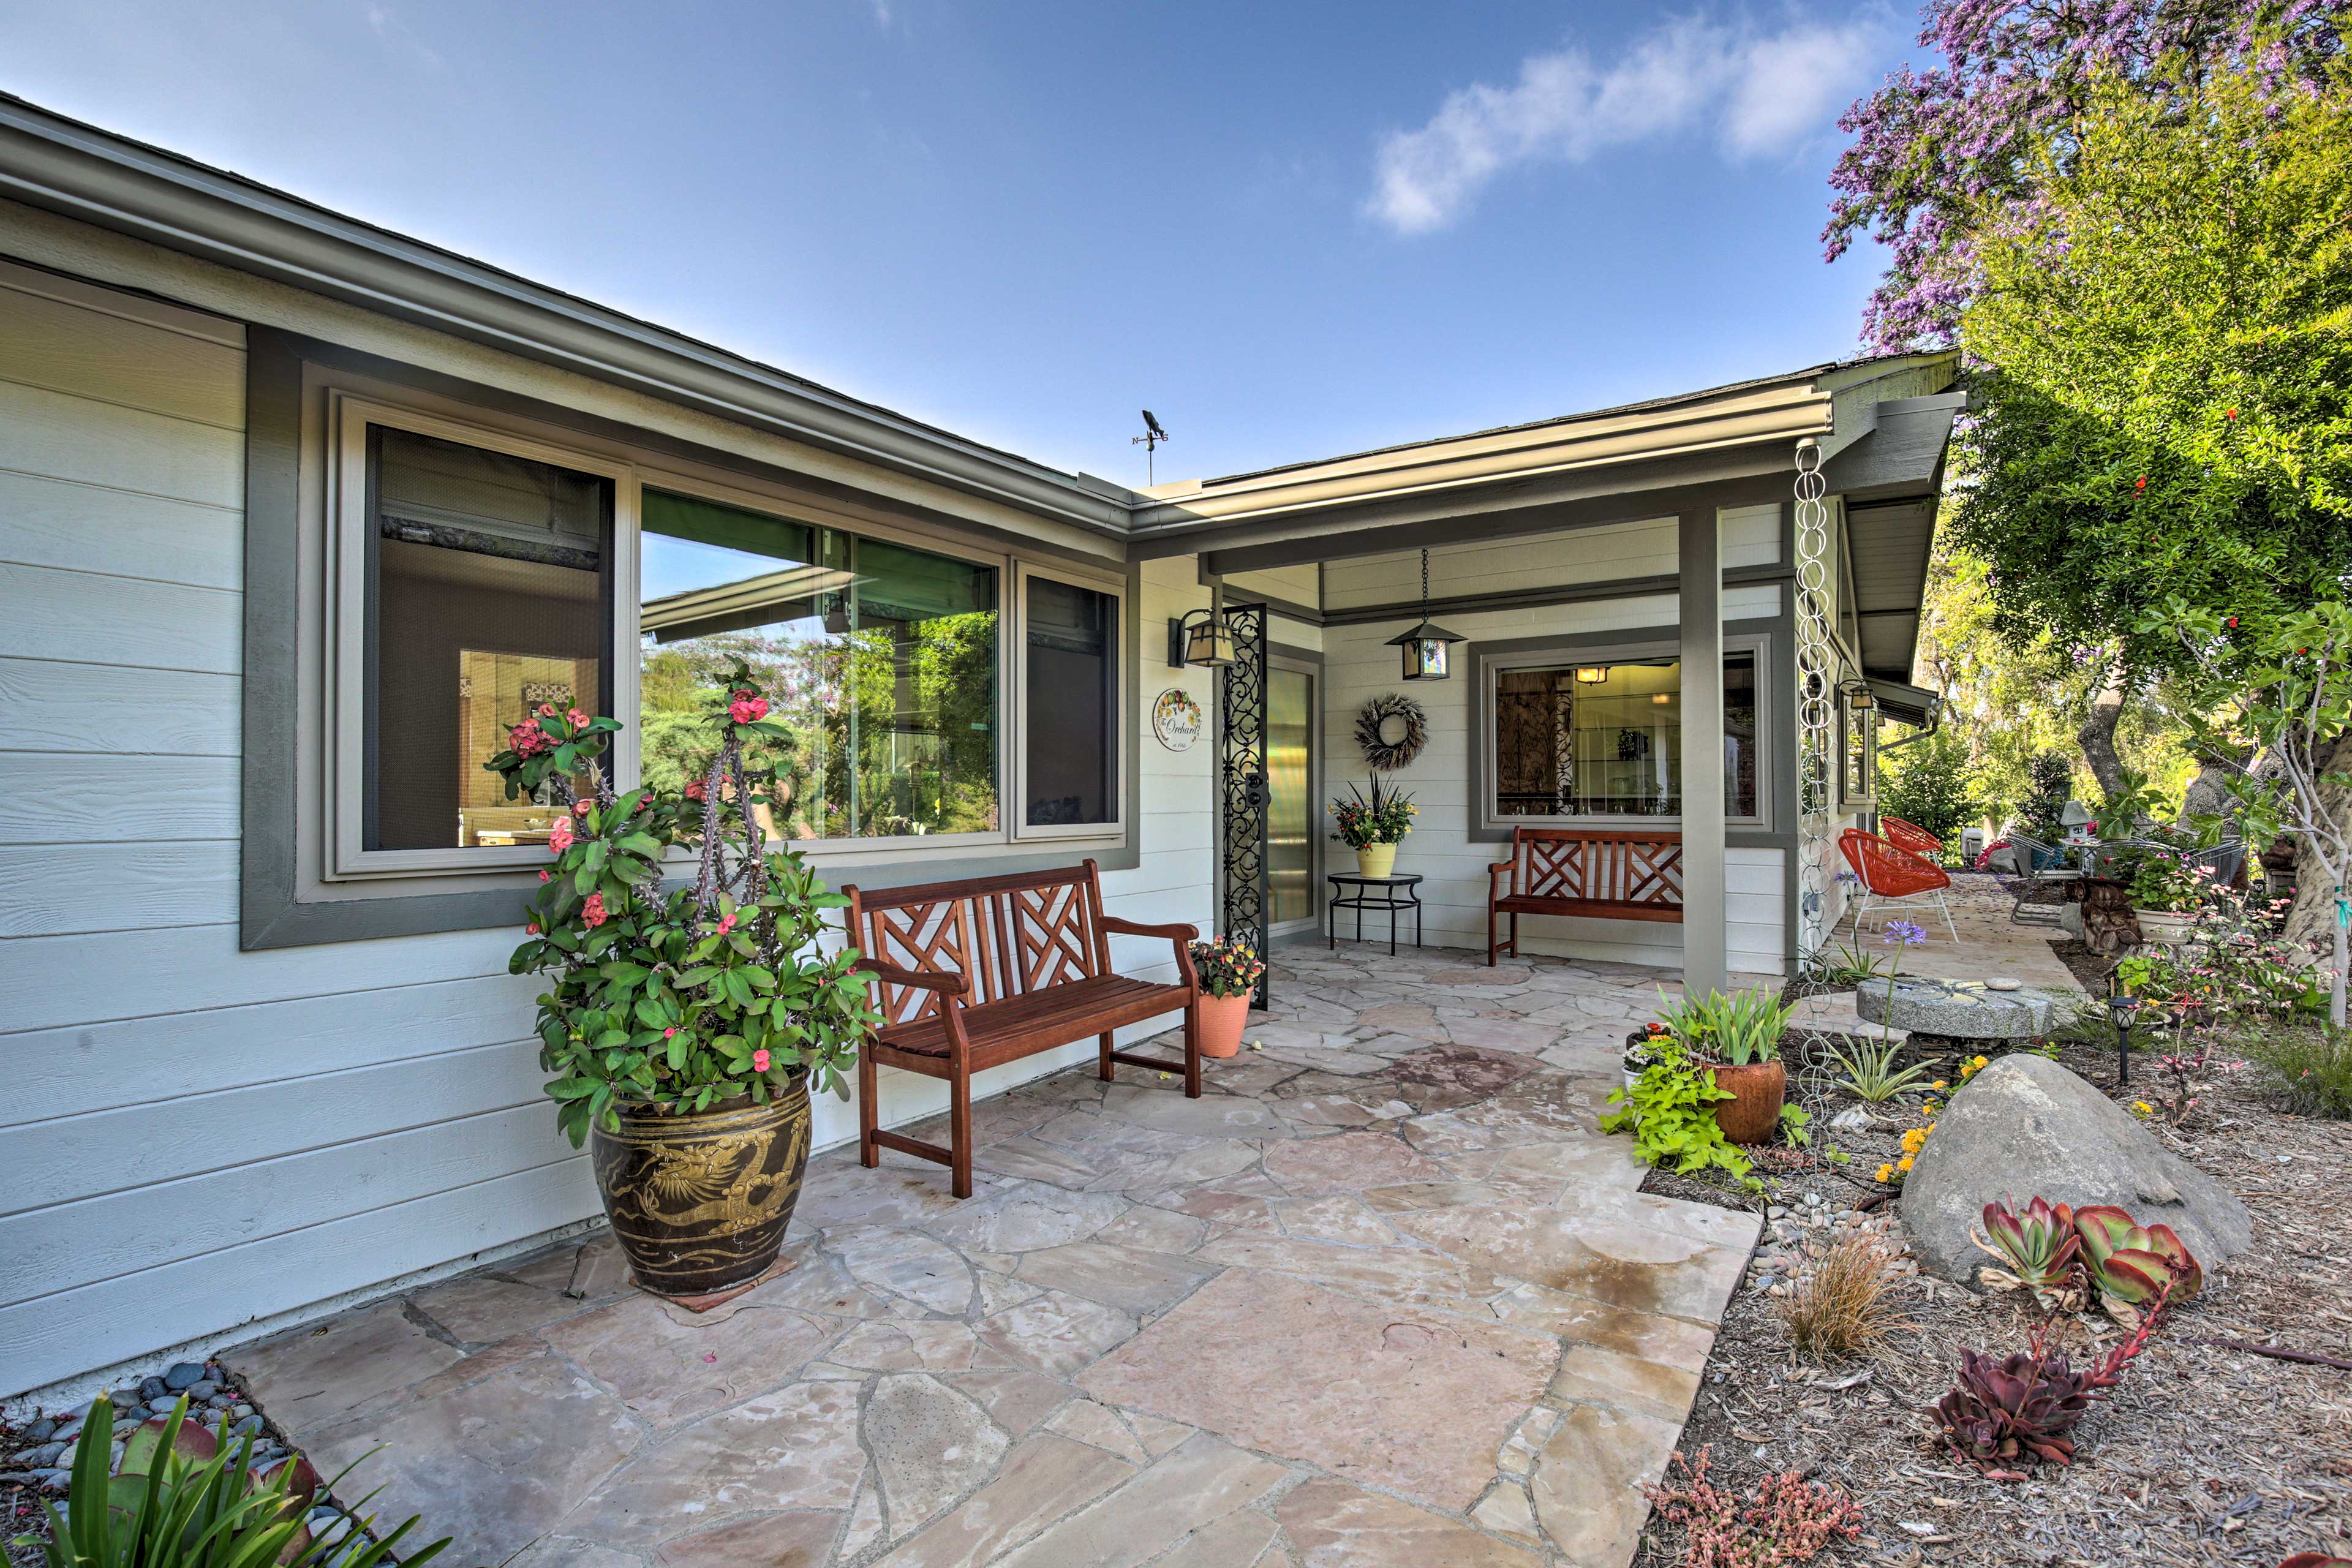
(1289,230)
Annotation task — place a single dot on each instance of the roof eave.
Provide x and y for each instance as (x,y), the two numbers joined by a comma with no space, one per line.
(49,161)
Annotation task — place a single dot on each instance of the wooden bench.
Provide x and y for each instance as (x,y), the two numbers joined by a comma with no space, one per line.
(1605,873)
(972,974)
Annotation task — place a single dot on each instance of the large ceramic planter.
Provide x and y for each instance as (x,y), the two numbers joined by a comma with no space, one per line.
(2167,928)
(1753,1113)
(1222,1018)
(1376,859)
(699,1202)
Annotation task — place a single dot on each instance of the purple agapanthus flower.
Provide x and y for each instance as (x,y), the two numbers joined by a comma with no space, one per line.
(1906,933)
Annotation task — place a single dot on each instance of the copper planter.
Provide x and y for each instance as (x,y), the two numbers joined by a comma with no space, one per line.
(1753,1113)
(700,1201)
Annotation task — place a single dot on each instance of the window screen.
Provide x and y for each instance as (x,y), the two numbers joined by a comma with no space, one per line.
(1605,739)
(1073,710)
(486,597)
(882,658)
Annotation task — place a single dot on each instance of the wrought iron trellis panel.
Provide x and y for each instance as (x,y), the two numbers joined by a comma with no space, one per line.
(1242,783)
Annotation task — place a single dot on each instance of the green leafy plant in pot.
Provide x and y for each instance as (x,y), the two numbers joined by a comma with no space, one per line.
(1736,1039)
(1373,826)
(686,1024)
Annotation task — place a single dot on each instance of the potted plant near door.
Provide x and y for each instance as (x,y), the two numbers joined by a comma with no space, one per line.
(1228,970)
(1373,826)
(683,1028)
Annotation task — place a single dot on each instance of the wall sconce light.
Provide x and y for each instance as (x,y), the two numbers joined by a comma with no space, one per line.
(1859,697)
(1424,645)
(1660,699)
(1590,674)
(1207,642)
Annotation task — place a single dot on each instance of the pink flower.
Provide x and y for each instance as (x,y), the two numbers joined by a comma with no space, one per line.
(593,911)
(576,719)
(531,927)
(759,1061)
(543,876)
(645,801)
(579,808)
(559,837)
(547,709)
(669,1033)
(696,789)
(747,709)
(726,924)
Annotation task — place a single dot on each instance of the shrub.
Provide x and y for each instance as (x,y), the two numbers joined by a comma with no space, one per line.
(1930,782)
(2313,1065)
(1840,1304)
(2048,785)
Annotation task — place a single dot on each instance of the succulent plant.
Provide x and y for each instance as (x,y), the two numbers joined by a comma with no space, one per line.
(2017,1408)
(2132,1265)
(2041,1247)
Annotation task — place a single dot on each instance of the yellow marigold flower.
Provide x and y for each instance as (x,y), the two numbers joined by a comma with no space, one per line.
(2143,1107)
(1939,1085)
(1884,1171)
(1904,1163)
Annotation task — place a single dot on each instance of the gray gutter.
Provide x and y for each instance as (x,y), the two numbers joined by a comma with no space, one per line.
(64,166)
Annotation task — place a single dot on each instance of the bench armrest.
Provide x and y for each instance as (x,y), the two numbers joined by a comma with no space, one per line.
(923,979)
(1182,936)
(1118,927)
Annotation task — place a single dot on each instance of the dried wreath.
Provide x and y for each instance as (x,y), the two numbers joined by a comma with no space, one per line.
(1373,722)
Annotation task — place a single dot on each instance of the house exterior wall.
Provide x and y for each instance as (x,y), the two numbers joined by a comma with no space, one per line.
(1359,666)
(201,1139)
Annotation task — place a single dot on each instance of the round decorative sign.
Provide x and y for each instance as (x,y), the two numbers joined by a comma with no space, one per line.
(1392,728)
(1176,719)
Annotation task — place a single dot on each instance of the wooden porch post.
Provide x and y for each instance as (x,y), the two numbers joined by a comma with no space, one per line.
(1705,957)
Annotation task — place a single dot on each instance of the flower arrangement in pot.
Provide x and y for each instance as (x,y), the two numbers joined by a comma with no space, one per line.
(2167,889)
(686,1024)
(1373,826)
(1735,1041)
(1229,970)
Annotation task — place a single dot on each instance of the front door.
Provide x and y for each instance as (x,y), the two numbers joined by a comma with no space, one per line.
(1293,890)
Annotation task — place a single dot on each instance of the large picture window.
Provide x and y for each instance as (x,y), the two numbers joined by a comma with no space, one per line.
(1602,737)
(882,658)
(486,579)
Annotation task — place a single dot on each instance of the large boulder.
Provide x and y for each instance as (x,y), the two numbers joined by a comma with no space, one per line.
(2027,1128)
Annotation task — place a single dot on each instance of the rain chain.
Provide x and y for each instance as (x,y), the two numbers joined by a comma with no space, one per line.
(1816,684)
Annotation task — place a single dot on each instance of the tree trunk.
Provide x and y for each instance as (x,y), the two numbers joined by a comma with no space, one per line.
(2312,919)
(2097,736)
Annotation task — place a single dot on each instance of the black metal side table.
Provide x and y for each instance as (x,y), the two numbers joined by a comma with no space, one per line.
(1389,888)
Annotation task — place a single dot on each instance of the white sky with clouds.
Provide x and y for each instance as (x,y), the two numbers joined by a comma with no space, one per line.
(1291,231)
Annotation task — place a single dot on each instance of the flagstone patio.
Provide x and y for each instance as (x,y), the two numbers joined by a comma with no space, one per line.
(1382,1299)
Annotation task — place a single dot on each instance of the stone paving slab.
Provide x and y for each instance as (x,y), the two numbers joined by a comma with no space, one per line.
(1385,1298)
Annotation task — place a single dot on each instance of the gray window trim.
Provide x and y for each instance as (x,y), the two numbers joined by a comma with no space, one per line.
(272,911)
(1775,677)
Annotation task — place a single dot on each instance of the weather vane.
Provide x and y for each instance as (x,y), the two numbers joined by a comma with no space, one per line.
(1149,441)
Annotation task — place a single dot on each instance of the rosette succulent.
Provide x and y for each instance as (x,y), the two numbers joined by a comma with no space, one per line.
(2020,1407)
(2041,1247)
(2132,1265)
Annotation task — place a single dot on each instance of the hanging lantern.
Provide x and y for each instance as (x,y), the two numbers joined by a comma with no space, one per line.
(1424,645)
(1207,642)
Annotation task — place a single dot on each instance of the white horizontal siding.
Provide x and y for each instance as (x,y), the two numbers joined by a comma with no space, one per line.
(202,1137)
(1300,585)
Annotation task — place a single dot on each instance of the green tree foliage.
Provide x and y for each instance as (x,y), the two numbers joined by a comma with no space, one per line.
(1930,782)
(2162,397)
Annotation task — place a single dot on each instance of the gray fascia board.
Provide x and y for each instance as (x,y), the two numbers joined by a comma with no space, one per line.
(62,166)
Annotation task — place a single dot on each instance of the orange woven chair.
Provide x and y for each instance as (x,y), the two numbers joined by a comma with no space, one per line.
(1893,878)
(1909,836)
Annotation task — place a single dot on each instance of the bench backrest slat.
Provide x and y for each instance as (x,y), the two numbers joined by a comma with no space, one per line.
(1008,934)
(1629,868)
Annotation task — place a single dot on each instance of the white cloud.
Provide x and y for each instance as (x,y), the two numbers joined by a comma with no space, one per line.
(1758,92)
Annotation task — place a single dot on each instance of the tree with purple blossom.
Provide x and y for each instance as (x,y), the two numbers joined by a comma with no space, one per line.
(1935,152)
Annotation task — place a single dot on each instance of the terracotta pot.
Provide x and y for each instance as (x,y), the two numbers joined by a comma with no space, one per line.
(1754,1114)
(1222,1018)
(700,1201)
(1376,859)
(2169,927)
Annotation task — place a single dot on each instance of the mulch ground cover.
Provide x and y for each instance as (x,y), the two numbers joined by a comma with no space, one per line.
(2205,1455)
